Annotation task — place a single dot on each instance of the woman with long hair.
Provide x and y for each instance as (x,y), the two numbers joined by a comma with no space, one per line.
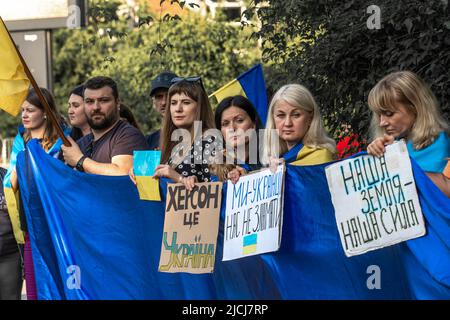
(35,125)
(239,123)
(187,162)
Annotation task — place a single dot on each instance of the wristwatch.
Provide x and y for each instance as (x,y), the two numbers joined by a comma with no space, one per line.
(79,165)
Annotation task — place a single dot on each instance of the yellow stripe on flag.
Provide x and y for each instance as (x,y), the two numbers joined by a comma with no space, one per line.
(13,210)
(148,188)
(249,249)
(232,88)
(14,83)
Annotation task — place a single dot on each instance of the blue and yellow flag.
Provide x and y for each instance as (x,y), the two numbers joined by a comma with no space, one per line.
(251,85)
(144,165)
(12,196)
(14,83)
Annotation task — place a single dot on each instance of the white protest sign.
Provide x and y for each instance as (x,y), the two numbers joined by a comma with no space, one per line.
(254,214)
(375,200)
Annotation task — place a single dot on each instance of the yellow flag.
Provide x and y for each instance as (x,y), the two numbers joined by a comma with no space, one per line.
(14,82)
(148,188)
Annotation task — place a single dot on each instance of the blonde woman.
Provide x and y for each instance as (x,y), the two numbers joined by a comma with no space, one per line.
(300,137)
(403,106)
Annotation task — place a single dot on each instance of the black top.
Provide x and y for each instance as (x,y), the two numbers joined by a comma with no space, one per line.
(8,243)
(196,163)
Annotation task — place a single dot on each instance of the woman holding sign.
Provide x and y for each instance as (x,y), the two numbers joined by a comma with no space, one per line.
(403,106)
(190,116)
(301,138)
(239,123)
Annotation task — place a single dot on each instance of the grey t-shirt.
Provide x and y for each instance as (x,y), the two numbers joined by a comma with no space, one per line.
(123,139)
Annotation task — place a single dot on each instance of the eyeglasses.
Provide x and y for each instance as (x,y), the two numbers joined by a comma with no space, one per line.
(194,79)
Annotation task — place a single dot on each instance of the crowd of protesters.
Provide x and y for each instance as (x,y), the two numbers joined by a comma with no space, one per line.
(103,134)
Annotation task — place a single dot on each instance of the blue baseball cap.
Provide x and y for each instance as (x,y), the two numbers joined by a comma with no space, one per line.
(162,81)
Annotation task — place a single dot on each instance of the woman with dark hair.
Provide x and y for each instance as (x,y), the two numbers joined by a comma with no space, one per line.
(35,125)
(77,116)
(239,123)
(187,162)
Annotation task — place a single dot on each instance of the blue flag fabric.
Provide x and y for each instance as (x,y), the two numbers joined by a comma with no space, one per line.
(427,259)
(252,81)
(250,84)
(98,226)
(291,155)
(92,238)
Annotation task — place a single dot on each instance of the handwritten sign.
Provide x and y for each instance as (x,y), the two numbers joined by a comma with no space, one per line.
(191,226)
(254,213)
(144,164)
(375,200)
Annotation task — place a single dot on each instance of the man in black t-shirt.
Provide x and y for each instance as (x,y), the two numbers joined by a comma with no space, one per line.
(108,150)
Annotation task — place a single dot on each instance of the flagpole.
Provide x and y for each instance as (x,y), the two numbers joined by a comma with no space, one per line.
(44,102)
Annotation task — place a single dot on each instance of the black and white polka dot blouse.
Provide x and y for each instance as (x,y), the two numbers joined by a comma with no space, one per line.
(200,155)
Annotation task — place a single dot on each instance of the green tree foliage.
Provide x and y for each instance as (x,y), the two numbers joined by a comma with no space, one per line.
(327,46)
(192,46)
(76,53)
(133,55)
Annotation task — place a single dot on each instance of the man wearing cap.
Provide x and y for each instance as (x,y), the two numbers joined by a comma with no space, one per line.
(160,87)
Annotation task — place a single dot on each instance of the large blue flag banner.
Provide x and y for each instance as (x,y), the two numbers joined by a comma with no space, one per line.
(93,238)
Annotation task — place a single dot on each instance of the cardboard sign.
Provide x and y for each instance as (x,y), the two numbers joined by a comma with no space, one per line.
(191,227)
(375,200)
(254,214)
(144,164)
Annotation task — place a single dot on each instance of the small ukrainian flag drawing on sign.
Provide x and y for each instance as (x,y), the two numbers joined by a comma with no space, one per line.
(250,243)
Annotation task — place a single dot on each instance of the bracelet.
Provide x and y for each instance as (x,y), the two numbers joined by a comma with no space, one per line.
(79,165)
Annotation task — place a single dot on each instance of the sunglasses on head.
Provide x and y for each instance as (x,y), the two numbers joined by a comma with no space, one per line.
(194,79)
(188,79)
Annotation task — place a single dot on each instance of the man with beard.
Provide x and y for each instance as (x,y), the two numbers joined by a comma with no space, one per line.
(108,150)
